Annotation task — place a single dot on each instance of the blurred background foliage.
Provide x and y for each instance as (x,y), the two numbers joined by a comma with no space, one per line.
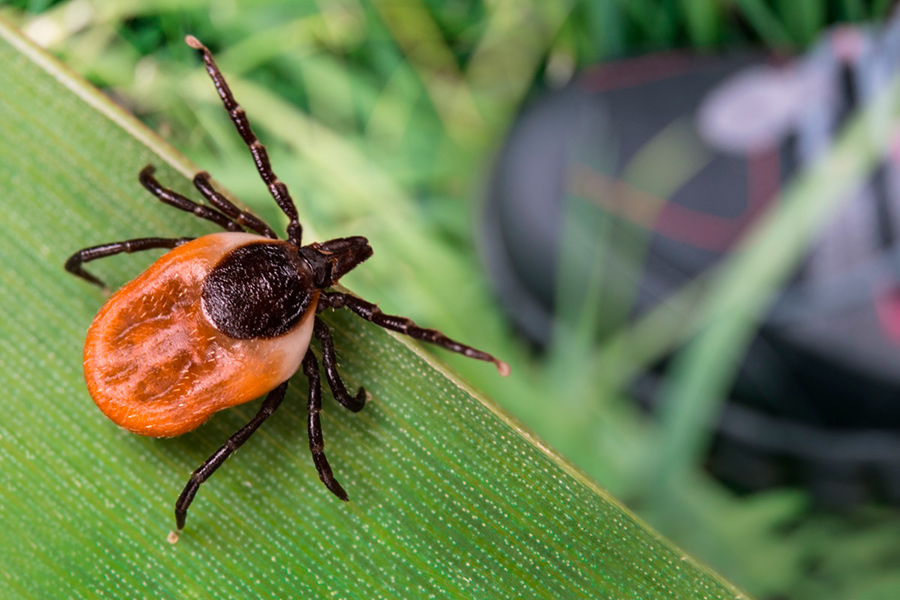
(383,118)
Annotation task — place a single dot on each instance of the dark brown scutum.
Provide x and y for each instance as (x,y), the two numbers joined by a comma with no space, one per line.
(258,291)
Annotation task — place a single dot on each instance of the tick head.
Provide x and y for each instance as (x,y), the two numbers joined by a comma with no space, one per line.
(331,260)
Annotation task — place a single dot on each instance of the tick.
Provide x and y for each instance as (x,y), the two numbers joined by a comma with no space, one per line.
(226,318)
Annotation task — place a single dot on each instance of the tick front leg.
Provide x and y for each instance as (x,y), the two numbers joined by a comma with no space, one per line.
(277,189)
(73,265)
(329,360)
(371,312)
(269,405)
(316,441)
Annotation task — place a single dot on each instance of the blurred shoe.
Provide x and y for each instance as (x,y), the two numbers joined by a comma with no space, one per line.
(668,160)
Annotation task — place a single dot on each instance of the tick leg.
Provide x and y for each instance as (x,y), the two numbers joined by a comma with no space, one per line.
(370,312)
(73,265)
(329,361)
(241,217)
(175,199)
(269,405)
(277,189)
(316,441)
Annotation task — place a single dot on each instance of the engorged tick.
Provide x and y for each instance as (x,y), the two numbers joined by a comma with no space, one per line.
(225,318)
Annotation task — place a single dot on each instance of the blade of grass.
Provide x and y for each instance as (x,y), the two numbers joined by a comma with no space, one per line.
(414,29)
(509,53)
(703,20)
(803,18)
(451,498)
(767,24)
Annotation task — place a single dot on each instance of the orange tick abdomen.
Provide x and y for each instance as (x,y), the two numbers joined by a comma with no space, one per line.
(156,365)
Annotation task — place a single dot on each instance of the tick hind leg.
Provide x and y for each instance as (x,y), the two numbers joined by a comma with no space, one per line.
(269,405)
(316,441)
(73,265)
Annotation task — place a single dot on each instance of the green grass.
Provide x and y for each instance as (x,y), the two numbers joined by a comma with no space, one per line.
(383,118)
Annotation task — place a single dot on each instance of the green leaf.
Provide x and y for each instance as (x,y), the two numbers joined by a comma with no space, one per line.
(449,496)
